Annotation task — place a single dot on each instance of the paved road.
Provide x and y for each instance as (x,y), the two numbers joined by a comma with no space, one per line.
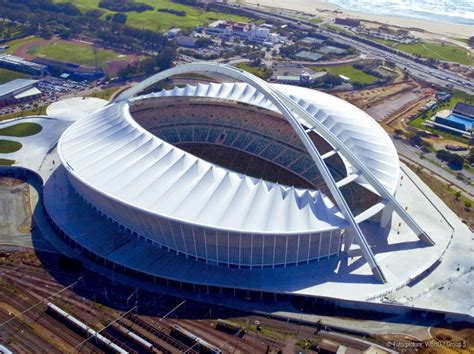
(410,153)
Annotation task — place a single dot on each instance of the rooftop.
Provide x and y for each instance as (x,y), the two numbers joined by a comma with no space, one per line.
(15,85)
(464,109)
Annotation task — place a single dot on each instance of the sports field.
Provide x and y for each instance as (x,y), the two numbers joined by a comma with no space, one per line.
(161,21)
(8,75)
(73,52)
(348,70)
(13,45)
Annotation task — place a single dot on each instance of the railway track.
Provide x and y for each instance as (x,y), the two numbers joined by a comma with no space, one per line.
(44,328)
(171,343)
(39,284)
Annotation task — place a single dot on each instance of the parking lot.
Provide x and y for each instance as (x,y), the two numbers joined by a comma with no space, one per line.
(52,90)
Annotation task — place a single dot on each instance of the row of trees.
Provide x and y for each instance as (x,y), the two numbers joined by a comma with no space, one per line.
(455,161)
(124,5)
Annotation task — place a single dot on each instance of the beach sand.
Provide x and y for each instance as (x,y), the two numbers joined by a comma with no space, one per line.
(326,11)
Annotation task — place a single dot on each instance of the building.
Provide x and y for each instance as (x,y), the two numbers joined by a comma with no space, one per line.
(186,41)
(17,91)
(173,33)
(14,63)
(245,31)
(459,121)
(465,110)
(350,22)
(75,71)
(295,74)
(303,79)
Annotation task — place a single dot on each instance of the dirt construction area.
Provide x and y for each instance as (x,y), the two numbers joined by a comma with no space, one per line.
(15,211)
(383,103)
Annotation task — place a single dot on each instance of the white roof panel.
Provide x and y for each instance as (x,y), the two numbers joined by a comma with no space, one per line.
(111,153)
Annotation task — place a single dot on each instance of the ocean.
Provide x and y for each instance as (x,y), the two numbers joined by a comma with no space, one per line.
(450,11)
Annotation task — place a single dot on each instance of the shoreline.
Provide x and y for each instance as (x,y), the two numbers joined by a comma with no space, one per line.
(328,11)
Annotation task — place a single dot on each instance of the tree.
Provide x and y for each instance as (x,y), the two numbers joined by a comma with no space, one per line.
(470,41)
(457,195)
(467,204)
(398,132)
(164,60)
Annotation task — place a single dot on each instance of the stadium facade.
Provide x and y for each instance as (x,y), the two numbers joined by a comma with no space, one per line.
(245,175)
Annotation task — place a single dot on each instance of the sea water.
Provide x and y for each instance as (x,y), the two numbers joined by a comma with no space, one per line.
(451,11)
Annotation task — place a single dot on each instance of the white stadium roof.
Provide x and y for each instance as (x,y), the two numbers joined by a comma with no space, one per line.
(113,155)
(132,165)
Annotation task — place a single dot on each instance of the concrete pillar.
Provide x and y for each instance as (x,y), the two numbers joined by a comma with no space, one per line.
(386,216)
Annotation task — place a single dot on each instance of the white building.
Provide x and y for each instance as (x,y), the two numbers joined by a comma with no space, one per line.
(246,31)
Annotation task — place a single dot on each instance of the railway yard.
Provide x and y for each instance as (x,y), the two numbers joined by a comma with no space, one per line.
(134,321)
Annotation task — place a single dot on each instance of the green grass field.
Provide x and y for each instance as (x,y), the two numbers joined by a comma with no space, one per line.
(430,50)
(253,70)
(6,162)
(73,52)
(18,42)
(21,129)
(445,52)
(8,146)
(105,94)
(161,21)
(348,70)
(8,75)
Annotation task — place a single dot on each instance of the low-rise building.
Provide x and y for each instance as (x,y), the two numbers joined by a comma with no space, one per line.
(75,71)
(460,120)
(350,22)
(186,41)
(15,63)
(173,33)
(246,31)
(17,91)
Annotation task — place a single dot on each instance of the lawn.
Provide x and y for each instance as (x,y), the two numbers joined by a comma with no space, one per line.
(8,75)
(445,52)
(18,42)
(105,94)
(8,146)
(162,21)
(431,50)
(253,70)
(21,129)
(355,75)
(73,52)
(6,162)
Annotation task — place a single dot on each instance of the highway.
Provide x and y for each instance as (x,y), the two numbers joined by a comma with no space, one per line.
(439,77)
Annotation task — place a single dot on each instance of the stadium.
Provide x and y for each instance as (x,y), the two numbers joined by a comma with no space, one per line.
(239,185)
